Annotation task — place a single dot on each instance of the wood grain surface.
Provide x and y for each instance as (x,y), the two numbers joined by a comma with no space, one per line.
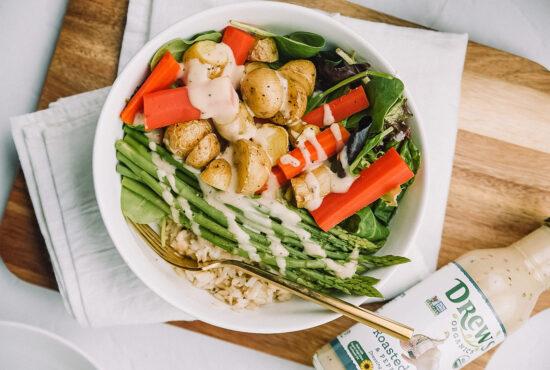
(500,186)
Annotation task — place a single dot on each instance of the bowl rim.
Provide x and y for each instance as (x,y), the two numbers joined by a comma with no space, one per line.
(335,26)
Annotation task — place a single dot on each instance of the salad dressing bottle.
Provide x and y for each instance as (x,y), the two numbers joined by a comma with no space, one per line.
(463,310)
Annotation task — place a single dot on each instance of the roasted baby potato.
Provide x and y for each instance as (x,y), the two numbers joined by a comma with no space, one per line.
(217,174)
(208,52)
(263,92)
(250,66)
(294,107)
(252,164)
(206,150)
(241,127)
(304,192)
(302,72)
(181,138)
(263,50)
(273,139)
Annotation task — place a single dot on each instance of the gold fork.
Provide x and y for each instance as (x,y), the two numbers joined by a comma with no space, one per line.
(369,318)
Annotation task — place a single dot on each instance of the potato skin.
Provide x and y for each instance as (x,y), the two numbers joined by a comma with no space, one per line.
(252,164)
(302,72)
(241,127)
(263,50)
(273,139)
(263,92)
(208,52)
(217,174)
(303,194)
(206,150)
(181,138)
(295,107)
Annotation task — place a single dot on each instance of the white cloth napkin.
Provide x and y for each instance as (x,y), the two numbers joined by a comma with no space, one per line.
(55,150)
(518,27)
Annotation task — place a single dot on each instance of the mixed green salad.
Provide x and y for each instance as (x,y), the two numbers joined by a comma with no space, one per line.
(277,149)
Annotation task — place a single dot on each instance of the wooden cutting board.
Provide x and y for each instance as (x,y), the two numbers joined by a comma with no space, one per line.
(500,188)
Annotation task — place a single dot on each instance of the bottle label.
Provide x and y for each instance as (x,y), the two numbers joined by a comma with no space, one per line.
(449,308)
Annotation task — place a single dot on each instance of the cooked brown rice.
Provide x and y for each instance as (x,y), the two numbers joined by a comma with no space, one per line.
(239,290)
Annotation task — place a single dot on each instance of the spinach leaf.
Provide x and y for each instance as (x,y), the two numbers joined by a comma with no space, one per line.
(365,224)
(178,46)
(297,45)
(300,44)
(411,155)
(365,156)
(139,209)
(383,94)
(352,122)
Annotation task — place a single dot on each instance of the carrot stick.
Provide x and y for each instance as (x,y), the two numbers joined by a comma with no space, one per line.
(239,41)
(342,107)
(164,75)
(279,174)
(166,107)
(383,175)
(326,140)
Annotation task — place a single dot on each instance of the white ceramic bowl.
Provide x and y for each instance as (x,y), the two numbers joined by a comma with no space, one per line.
(295,314)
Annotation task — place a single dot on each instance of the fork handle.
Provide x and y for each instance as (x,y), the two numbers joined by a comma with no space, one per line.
(366,317)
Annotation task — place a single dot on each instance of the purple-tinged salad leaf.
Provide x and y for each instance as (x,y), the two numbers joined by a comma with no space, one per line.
(357,139)
(331,69)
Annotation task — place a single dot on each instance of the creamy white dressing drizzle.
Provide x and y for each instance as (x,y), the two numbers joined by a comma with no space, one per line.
(321,154)
(279,252)
(281,263)
(313,184)
(195,72)
(181,73)
(175,214)
(272,187)
(219,199)
(139,119)
(284,105)
(167,195)
(153,146)
(342,184)
(186,208)
(164,170)
(335,129)
(155,135)
(289,159)
(215,99)
(231,69)
(328,118)
(348,269)
(305,153)
(290,220)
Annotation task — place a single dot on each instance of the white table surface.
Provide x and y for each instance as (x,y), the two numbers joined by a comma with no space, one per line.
(26,51)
